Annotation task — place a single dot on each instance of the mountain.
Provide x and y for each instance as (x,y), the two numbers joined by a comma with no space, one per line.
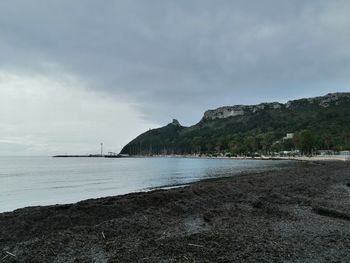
(312,124)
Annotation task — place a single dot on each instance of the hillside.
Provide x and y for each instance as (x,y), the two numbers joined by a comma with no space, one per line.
(317,123)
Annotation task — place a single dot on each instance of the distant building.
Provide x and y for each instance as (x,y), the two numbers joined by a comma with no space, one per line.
(288,136)
(331,152)
(288,153)
(325,152)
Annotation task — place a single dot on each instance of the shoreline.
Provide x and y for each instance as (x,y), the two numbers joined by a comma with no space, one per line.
(245,168)
(297,215)
(296,158)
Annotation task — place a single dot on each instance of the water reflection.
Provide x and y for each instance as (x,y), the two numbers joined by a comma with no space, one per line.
(32,181)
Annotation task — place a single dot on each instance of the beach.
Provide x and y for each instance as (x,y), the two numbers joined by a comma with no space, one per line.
(299,214)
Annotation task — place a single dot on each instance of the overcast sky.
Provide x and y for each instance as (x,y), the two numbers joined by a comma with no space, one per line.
(77,73)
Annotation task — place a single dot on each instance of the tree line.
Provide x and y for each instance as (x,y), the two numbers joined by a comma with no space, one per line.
(306,142)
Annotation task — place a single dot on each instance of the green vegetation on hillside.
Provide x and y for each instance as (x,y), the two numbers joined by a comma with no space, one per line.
(319,123)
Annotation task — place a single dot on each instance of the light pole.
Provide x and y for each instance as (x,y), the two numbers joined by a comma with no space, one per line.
(101,149)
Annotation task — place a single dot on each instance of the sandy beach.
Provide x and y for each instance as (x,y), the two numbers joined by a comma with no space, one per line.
(295,215)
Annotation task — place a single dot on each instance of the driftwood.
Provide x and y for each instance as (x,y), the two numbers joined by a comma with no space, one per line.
(10,254)
(7,255)
(195,245)
(324,211)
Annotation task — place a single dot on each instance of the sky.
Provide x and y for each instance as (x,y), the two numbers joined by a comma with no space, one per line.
(77,73)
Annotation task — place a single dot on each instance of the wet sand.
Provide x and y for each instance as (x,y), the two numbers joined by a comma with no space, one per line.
(297,215)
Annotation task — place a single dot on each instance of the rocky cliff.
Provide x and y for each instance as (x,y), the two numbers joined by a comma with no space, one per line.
(237,110)
(241,129)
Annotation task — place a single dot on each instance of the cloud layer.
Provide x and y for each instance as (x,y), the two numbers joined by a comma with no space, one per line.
(178,58)
(42,116)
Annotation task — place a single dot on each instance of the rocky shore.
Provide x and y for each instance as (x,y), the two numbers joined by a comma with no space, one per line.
(295,215)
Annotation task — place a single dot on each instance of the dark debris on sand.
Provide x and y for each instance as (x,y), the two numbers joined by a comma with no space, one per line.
(295,215)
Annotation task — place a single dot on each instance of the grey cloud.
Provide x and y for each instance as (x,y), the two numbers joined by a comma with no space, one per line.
(178,58)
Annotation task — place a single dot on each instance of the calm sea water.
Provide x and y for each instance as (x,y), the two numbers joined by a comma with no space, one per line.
(31,181)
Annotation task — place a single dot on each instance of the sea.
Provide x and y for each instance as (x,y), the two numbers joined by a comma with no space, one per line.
(38,181)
